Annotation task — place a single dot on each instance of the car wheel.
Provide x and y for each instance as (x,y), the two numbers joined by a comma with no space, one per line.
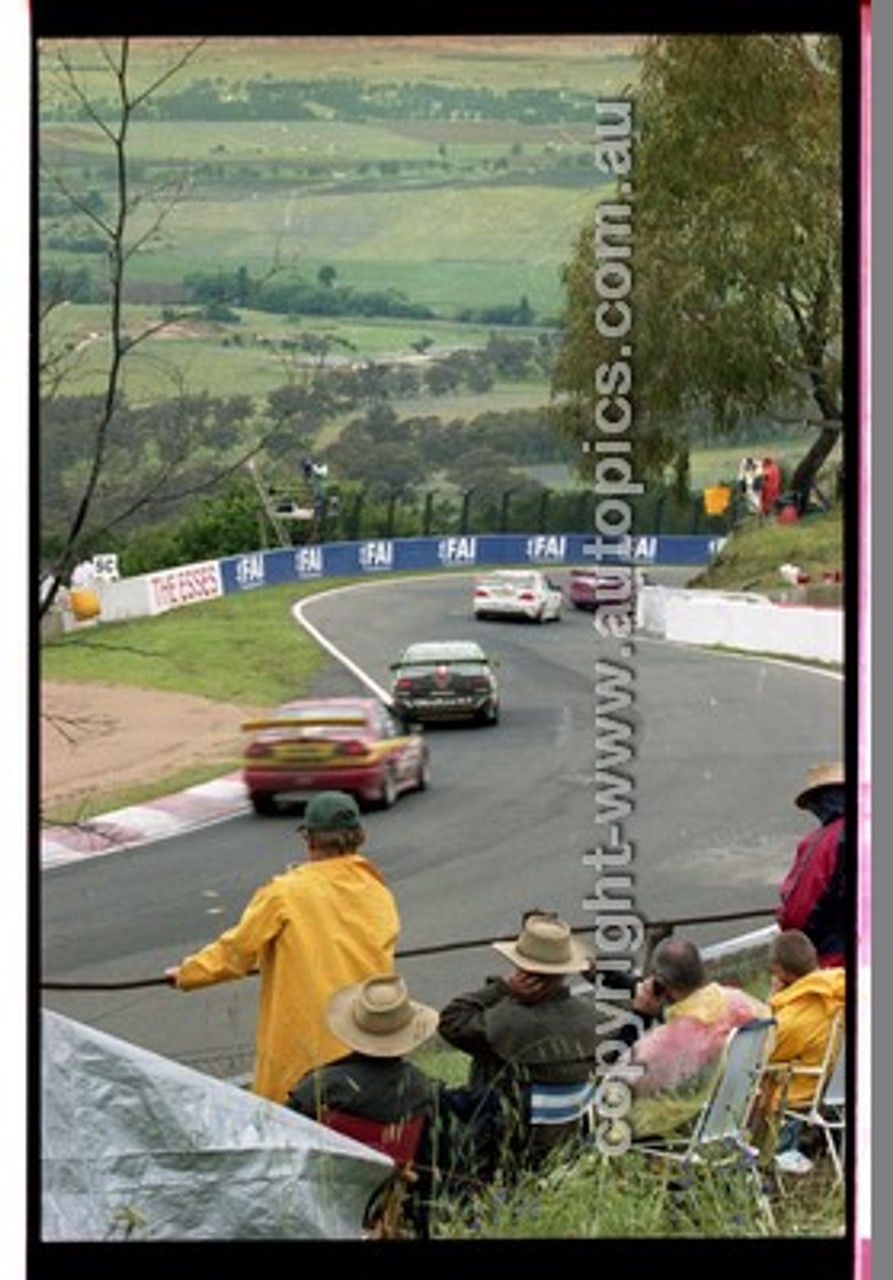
(490,714)
(263,803)
(423,782)
(388,794)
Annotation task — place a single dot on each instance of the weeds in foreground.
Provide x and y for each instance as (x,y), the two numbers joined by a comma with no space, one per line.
(631,1197)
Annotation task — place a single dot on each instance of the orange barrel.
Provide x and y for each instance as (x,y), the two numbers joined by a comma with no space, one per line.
(84,603)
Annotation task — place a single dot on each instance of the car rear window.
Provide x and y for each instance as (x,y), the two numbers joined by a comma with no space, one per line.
(518,582)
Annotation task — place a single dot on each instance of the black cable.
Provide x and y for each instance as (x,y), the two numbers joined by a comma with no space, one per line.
(414,952)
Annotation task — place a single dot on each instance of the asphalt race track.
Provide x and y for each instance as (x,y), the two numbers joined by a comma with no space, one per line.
(721,745)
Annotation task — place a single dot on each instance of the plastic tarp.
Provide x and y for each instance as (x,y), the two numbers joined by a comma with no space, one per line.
(137,1147)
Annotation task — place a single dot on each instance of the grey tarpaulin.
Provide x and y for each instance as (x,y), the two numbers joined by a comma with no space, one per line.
(135,1146)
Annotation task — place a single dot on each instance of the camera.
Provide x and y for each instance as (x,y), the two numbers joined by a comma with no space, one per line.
(658,988)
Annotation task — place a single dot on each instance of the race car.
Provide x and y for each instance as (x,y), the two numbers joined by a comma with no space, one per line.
(358,745)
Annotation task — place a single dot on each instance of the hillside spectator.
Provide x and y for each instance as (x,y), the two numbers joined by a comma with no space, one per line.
(311,930)
(813,893)
(373,1093)
(804,1001)
(678,1056)
(527,1028)
(771,490)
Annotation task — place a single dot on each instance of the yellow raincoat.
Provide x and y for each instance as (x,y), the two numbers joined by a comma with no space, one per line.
(803,1011)
(310,930)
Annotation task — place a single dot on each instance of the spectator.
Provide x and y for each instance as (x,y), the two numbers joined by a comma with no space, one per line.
(804,1000)
(373,1093)
(527,1028)
(813,893)
(771,490)
(310,930)
(83,576)
(677,1057)
(380,1025)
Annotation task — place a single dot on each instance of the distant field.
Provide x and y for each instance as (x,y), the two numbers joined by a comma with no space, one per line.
(209,360)
(501,61)
(452,212)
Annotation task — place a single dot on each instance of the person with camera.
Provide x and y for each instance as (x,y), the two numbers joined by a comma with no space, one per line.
(677,1055)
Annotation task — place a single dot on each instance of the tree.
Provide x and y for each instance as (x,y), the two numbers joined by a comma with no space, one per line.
(127,461)
(735,247)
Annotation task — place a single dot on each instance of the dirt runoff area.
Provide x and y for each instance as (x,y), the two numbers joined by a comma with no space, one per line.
(96,738)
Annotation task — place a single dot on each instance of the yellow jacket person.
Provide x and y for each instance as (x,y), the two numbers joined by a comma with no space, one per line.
(310,930)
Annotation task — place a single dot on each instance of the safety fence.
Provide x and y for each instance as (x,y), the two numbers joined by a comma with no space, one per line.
(173,588)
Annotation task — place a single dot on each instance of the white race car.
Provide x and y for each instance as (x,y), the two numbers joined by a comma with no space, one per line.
(517,593)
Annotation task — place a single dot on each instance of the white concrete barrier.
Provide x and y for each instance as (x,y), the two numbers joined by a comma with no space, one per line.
(743,621)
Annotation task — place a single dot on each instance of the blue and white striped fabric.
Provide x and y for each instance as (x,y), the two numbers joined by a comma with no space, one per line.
(560,1103)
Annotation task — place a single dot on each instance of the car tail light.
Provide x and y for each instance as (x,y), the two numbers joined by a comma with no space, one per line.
(527,596)
(351,748)
(256,750)
(481,591)
(404,684)
(479,682)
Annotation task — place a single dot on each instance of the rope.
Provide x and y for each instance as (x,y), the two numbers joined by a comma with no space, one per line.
(415,952)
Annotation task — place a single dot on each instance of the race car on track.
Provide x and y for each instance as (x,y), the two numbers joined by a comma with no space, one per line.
(526,594)
(602,584)
(445,680)
(357,745)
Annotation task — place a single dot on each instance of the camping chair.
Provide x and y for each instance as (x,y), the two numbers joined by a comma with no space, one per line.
(721,1133)
(827,1111)
(391,1213)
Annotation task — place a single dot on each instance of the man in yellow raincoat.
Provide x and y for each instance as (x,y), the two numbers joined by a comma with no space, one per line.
(310,930)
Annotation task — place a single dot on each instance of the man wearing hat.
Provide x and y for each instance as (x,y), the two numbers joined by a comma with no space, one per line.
(373,1093)
(813,894)
(528,1028)
(310,930)
(380,1025)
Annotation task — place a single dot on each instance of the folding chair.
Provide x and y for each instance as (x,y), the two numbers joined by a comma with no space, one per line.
(391,1212)
(721,1134)
(827,1110)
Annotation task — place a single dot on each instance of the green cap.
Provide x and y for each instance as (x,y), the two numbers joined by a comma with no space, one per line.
(331,811)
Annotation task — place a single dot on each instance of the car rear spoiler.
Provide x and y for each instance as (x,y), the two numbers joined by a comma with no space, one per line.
(290,722)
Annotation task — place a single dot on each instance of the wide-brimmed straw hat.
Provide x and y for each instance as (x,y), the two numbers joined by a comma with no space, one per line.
(823,775)
(546,945)
(378,1018)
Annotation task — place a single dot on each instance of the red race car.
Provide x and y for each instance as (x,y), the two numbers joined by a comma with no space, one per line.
(602,584)
(356,745)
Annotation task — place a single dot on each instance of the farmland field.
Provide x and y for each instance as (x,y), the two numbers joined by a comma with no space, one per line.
(450,205)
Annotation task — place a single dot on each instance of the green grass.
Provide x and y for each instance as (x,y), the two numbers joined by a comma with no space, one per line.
(629,1197)
(241,648)
(750,560)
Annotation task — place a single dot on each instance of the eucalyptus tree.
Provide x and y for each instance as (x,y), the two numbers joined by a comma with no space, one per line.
(731,201)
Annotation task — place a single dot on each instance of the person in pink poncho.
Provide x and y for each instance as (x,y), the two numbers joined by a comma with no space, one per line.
(677,1057)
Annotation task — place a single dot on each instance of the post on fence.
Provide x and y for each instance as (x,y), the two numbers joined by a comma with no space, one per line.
(392,504)
(355,514)
(466,502)
(659,511)
(544,507)
(426,517)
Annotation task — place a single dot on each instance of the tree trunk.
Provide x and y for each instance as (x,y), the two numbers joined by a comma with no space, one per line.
(809,467)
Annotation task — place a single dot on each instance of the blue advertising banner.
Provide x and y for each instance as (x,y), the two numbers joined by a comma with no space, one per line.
(471,551)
